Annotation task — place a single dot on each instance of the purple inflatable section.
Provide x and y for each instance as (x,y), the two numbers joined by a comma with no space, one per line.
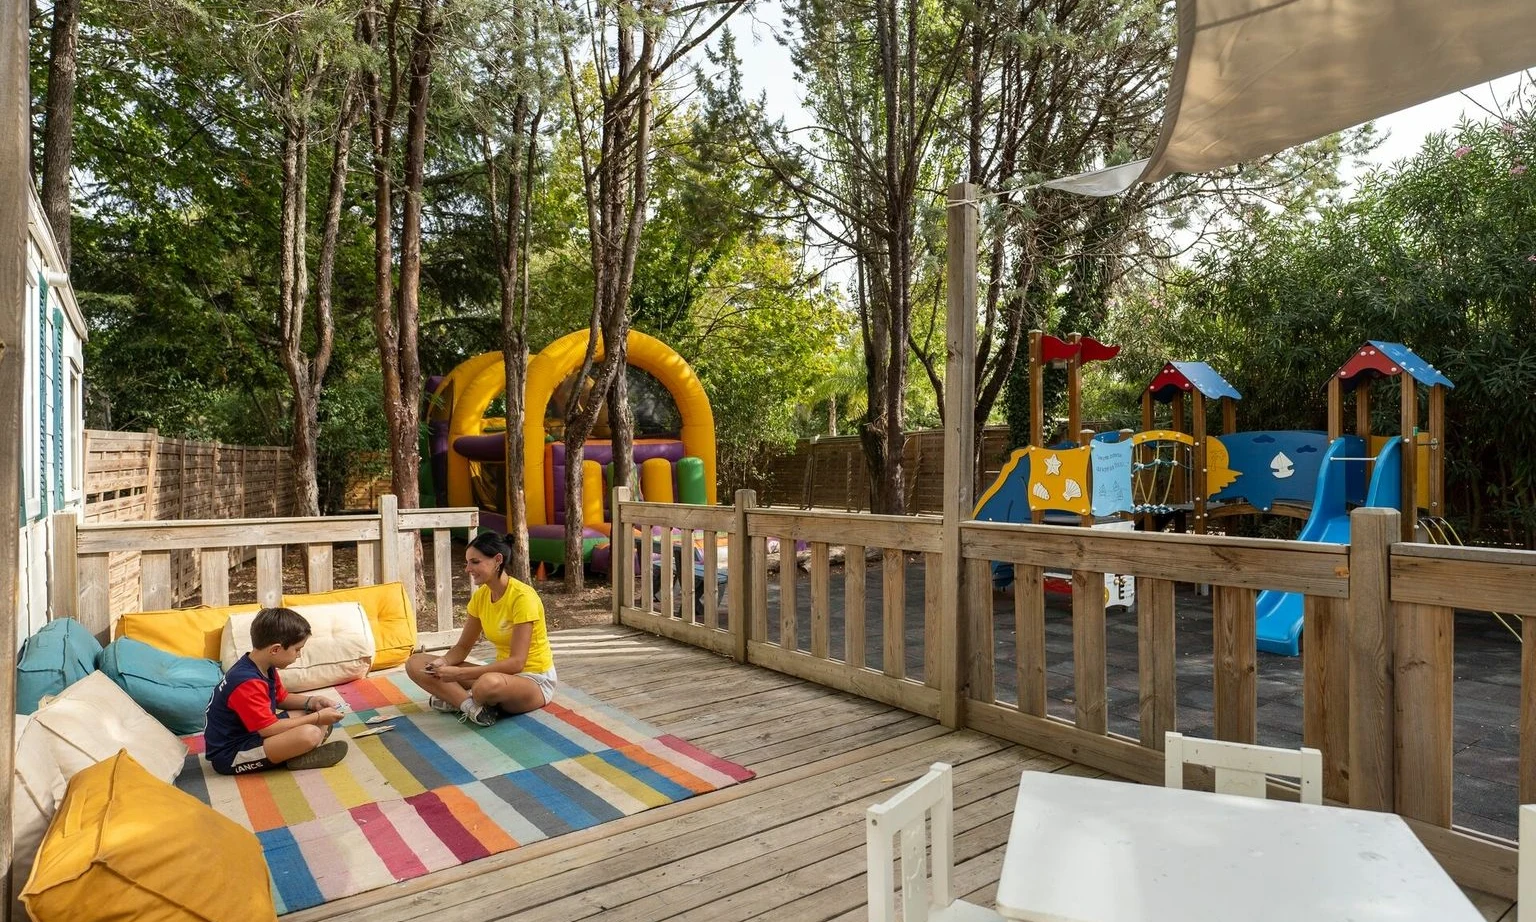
(558,531)
(491,447)
(602,453)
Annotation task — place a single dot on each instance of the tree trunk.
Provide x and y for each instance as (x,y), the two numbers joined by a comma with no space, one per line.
(381,127)
(59,119)
(325,283)
(616,189)
(405,448)
(293,280)
(514,327)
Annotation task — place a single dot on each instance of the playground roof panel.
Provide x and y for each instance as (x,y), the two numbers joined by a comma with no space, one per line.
(1376,359)
(1177,377)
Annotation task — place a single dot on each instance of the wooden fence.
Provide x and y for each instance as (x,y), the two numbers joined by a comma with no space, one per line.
(141,477)
(828,472)
(1377,667)
(385,540)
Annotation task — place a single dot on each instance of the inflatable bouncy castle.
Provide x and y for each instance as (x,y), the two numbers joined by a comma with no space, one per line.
(674,443)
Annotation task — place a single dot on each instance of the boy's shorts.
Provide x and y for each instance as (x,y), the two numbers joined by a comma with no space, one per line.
(247,755)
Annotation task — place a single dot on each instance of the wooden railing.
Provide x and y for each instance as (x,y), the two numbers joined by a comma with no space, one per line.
(888,539)
(385,541)
(1377,668)
(658,596)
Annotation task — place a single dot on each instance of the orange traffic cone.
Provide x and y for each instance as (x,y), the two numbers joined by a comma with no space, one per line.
(540,575)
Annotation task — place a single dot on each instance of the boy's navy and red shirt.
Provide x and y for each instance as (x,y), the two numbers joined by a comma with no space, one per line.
(244,703)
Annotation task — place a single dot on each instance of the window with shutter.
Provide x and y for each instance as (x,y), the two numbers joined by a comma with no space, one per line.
(61,424)
(44,346)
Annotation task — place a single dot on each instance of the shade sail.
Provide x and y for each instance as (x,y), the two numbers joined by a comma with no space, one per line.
(1254,77)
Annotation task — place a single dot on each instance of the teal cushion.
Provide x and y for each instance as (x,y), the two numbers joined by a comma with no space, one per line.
(54,658)
(173,689)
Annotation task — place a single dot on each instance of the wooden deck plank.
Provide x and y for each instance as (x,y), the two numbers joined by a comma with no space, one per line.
(584,657)
(787,845)
(474,897)
(683,882)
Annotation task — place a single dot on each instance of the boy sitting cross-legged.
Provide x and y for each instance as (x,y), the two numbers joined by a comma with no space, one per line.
(245,732)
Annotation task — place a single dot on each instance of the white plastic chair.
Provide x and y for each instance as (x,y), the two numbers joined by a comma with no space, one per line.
(1525,906)
(907,814)
(1242,768)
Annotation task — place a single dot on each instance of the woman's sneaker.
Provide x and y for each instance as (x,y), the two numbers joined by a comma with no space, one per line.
(323,756)
(438,704)
(480,715)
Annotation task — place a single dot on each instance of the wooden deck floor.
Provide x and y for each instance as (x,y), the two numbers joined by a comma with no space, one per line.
(788,845)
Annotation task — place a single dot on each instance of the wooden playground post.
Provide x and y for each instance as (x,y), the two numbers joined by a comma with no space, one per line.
(1036,402)
(1148,409)
(1335,408)
(1363,412)
(1363,421)
(1409,434)
(1437,450)
(1085,437)
(1228,416)
(1197,401)
(1036,382)
(1178,491)
(959,447)
(1075,385)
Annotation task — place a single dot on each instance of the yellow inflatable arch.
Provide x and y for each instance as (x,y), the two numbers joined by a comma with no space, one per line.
(546,371)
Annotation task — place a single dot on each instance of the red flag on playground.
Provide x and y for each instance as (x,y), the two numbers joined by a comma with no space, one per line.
(1053,349)
(1095,351)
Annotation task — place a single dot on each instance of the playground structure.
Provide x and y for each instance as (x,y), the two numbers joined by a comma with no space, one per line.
(674,443)
(1200,382)
(1108,480)
(1057,494)
(1365,469)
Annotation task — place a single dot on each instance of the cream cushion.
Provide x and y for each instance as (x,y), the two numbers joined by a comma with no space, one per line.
(340,647)
(92,719)
(39,786)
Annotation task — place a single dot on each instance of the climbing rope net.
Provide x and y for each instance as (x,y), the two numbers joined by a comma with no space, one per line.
(1155,467)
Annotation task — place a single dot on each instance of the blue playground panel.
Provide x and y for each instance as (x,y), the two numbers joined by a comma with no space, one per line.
(1275,466)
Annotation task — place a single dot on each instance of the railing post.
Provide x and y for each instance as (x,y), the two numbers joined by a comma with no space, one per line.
(1325,689)
(959,445)
(389,538)
(739,577)
(64,582)
(621,555)
(1372,743)
(1423,685)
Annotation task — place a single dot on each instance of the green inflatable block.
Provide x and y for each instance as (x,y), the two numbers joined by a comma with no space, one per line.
(690,481)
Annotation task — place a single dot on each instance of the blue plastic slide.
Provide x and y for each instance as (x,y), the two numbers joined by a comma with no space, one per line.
(1280,613)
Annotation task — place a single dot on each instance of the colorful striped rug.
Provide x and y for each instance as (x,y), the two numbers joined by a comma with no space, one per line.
(434,792)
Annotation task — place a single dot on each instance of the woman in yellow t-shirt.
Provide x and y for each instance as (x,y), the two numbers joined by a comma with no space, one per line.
(511,616)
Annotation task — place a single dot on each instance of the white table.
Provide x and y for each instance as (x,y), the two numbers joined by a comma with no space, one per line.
(1089,850)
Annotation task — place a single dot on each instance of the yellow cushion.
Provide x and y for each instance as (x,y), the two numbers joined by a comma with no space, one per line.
(389,614)
(182,631)
(126,845)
